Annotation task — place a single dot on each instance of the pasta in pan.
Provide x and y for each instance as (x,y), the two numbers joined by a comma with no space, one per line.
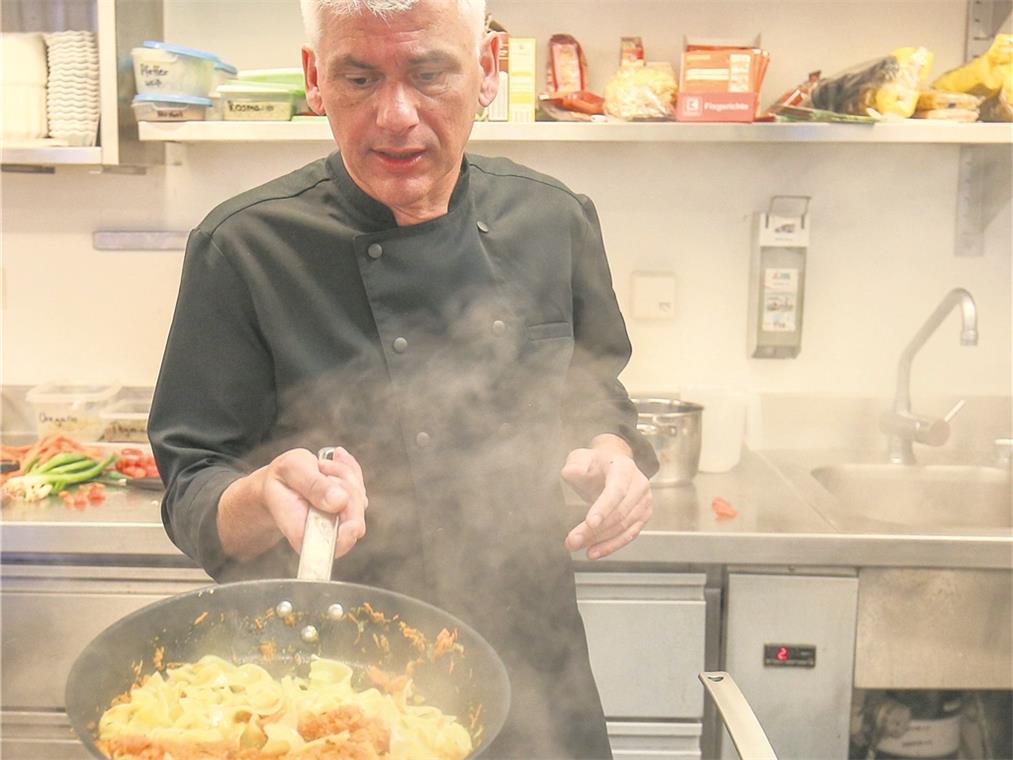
(214,709)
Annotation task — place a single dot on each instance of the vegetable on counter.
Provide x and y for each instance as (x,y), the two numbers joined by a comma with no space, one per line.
(54,474)
(56,462)
(134,463)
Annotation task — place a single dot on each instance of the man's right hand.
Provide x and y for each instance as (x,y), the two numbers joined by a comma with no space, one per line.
(272,502)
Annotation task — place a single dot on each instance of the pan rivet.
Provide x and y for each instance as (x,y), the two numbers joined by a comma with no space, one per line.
(284,608)
(309,634)
(335,611)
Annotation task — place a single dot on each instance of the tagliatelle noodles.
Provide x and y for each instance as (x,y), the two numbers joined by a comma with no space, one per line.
(213,701)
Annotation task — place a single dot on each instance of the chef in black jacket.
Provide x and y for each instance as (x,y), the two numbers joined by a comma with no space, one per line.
(449,321)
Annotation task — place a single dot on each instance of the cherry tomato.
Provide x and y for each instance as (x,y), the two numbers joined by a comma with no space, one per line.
(136,472)
(151,472)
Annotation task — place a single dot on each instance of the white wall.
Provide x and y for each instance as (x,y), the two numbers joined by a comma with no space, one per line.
(882,215)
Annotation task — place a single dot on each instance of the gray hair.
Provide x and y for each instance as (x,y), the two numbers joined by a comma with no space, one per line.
(473,12)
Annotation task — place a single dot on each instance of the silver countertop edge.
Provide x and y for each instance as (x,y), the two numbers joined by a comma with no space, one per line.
(817,549)
(651,547)
(779,522)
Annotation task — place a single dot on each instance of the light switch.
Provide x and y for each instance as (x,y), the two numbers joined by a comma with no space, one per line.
(653,295)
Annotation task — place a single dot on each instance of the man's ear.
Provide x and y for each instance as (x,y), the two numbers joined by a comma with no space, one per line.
(488,59)
(311,75)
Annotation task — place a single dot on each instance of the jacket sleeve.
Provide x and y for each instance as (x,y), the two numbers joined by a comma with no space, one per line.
(596,402)
(214,400)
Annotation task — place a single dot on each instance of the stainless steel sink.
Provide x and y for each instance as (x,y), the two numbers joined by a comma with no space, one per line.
(917,497)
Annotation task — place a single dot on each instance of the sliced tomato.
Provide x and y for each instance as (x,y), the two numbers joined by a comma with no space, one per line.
(151,472)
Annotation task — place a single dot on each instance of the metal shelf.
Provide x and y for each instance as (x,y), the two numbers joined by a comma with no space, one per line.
(51,156)
(912,131)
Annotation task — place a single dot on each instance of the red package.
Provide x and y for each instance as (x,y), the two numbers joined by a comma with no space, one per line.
(567,70)
(584,101)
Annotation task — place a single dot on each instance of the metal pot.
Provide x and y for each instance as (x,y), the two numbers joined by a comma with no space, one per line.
(675,434)
(279,625)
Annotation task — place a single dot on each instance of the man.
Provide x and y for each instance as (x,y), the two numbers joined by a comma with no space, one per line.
(449,321)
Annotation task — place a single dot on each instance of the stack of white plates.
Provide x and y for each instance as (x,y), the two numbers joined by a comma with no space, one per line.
(73,92)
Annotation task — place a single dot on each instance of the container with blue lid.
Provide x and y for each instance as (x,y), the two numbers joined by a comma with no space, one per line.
(162,68)
(170,107)
(180,50)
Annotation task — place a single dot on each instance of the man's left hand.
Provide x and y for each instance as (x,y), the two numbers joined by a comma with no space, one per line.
(606,476)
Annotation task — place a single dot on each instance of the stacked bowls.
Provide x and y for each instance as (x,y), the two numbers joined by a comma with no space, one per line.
(73,88)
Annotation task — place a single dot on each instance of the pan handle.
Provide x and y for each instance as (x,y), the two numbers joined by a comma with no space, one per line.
(747,734)
(317,555)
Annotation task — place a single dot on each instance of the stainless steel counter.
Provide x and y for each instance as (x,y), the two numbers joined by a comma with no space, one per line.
(779,522)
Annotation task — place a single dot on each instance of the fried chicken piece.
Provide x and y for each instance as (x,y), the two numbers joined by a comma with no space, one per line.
(364,731)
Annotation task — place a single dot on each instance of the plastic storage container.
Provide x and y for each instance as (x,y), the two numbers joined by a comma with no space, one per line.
(161,68)
(127,420)
(256,101)
(293,78)
(74,410)
(170,107)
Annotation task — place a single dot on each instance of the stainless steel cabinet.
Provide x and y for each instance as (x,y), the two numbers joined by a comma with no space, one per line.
(790,645)
(646,634)
(50,613)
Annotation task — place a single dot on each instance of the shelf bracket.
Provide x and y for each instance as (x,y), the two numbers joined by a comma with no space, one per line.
(985,19)
(983,190)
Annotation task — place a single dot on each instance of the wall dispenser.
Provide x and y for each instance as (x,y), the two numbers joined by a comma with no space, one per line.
(777,278)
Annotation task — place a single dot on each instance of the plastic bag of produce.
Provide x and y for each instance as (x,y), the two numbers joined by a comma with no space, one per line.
(998,107)
(639,92)
(888,86)
(986,75)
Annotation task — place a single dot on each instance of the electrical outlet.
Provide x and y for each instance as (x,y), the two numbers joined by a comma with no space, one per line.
(653,295)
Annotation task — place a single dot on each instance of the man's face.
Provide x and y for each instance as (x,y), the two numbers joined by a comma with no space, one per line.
(401,95)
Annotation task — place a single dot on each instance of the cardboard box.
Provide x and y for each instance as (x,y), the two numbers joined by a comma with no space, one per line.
(522,93)
(720,80)
(717,106)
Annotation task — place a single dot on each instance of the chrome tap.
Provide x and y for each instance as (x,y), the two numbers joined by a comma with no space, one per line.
(901,426)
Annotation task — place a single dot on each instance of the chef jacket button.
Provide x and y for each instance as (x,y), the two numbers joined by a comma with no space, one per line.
(400,345)
(422,439)
(498,327)
(375,250)
(482,226)
(506,429)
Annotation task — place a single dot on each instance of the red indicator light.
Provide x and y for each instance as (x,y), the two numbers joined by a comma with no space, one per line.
(782,654)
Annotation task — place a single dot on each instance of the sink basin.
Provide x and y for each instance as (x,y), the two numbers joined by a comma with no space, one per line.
(924,497)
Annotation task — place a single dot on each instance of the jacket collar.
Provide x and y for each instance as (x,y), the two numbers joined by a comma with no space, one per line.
(373,215)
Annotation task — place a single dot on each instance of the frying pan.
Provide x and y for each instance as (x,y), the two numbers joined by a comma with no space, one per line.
(280,625)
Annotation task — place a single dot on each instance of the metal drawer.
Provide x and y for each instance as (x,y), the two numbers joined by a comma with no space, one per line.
(646,635)
(39,736)
(654,741)
(51,613)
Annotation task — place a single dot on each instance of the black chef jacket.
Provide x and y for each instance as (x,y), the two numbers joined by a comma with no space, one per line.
(458,360)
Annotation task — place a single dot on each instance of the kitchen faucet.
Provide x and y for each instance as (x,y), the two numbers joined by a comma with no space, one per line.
(901,426)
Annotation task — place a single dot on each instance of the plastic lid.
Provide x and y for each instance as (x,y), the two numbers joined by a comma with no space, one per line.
(181,50)
(292,75)
(239,87)
(189,100)
(228,68)
(128,408)
(62,393)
